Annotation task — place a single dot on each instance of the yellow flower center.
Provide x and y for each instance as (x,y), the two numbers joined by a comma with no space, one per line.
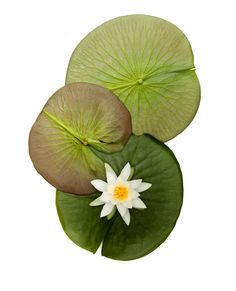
(121,193)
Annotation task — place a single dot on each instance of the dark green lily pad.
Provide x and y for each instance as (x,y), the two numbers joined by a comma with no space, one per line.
(76,119)
(154,163)
(148,63)
(82,225)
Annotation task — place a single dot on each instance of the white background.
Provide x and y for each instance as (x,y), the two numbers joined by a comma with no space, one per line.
(36,41)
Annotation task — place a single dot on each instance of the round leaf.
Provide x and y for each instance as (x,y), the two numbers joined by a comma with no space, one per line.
(153,162)
(148,63)
(82,225)
(76,119)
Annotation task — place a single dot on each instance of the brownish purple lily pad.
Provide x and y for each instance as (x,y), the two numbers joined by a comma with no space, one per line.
(78,118)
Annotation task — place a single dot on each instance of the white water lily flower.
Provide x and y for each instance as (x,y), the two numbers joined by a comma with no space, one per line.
(119,193)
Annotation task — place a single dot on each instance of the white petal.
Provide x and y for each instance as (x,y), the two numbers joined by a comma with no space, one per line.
(109,216)
(111,175)
(128,204)
(144,186)
(126,217)
(135,184)
(138,203)
(121,208)
(135,194)
(107,209)
(125,173)
(106,197)
(96,202)
(99,185)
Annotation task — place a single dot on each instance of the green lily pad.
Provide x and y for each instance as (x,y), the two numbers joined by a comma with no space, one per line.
(82,225)
(154,163)
(76,119)
(148,63)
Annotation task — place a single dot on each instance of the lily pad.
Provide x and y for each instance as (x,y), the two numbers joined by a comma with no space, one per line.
(76,119)
(82,225)
(148,63)
(154,163)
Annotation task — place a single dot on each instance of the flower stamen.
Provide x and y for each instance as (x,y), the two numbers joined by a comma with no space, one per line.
(121,193)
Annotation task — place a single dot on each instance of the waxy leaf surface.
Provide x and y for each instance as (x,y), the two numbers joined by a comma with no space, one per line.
(76,119)
(148,63)
(154,163)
